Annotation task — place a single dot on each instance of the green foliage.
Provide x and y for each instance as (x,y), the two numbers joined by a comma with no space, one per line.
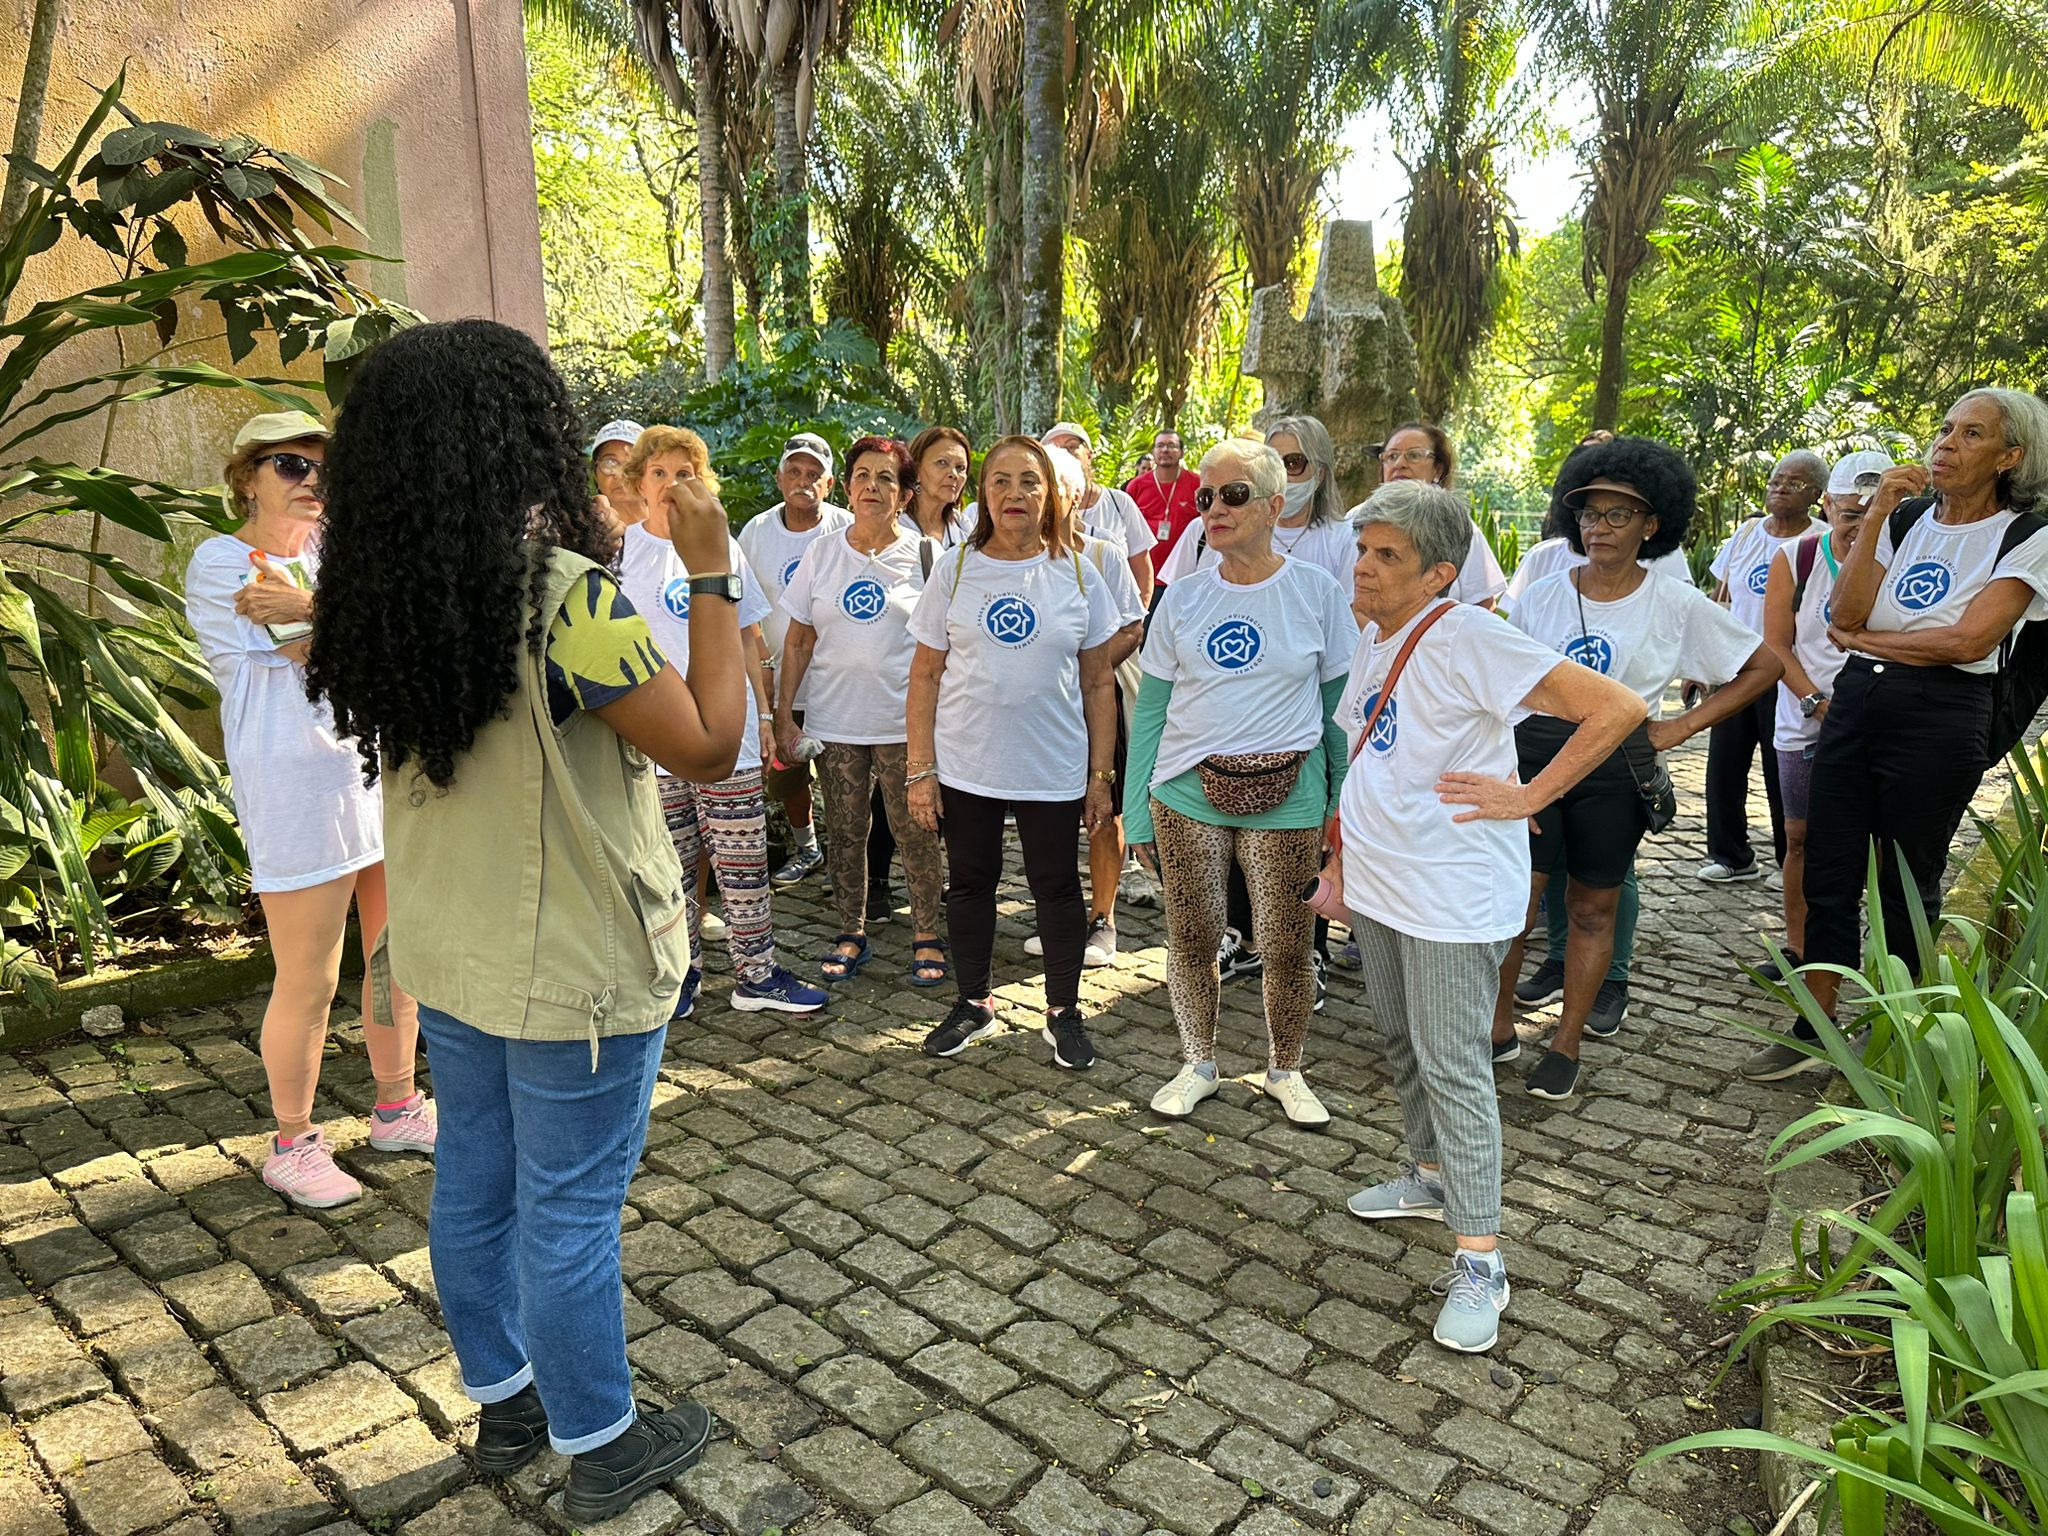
(1950,1271)
(95,650)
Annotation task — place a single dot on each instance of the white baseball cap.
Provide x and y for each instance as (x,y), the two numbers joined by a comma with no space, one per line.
(627,432)
(808,443)
(1856,474)
(1068,429)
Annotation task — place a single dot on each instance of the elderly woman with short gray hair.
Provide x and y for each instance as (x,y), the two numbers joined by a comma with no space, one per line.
(1233,756)
(1433,858)
(1311,525)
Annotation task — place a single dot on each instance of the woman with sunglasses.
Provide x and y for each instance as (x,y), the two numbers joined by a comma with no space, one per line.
(1632,499)
(1234,756)
(315,834)
(1421,450)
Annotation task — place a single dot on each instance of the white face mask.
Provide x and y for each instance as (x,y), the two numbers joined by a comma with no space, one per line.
(1298,498)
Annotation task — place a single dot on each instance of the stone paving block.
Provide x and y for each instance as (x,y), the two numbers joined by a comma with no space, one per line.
(1092,1260)
(472,1512)
(803,1280)
(271,1497)
(26,1195)
(437,1388)
(40,1368)
(741,1492)
(1009,1221)
(50,1248)
(74,1438)
(760,1195)
(960,1306)
(1179,1495)
(881,1325)
(845,1189)
(270,1247)
(734,1240)
(1276,1348)
(1171,1418)
(760,1410)
(1312,1489)
(1355,1330)
(1067,1300)
(213,1429)
(337,1407)
(121,1202)
(155,1362)
(1262,1288)
(868,1395)
(663,1197)
(397,1339)
(1286,1409)
(128,1494)
(1069,1432)
(1056,1352)
(936,1514)
(1061,1505)
(711,1300)
(385,1236)
(658,1249)
(223,1205)
(1390,1459)
(819,1228)
(395,1472)
(853,1471)
(1386,1515)
(653,1514)
(1188,1255)
(270,1355)
(1173,1299)
(213,1301)
(971,1251)
(968,1456)
(783,1342)
(913,1221)
(1508,1453)
(1509,1513)
(964,1370)
(676,1357)
(884,1262)
(1621,1515)
(339,1289)
(105,1299)
(1469,1378)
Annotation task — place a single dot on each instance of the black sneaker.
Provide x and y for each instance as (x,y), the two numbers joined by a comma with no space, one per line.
(881,905)
(967,1023)
(1610,1007)
(1507,1050)
(1236,958)
(1556,1076)
(659,1446)
(511,1433)
(1541,984)
(1070,1044)
(1322,969)
(1770,970)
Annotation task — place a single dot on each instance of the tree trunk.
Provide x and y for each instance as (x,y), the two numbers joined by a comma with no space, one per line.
(28,116)
(793,212)
(1607,384)
(1044,211)
(718,311)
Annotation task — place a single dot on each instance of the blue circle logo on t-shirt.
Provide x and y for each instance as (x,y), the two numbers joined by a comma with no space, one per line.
(1385,730)
(1594,651)
(1922,584)
(789,570)
(1759,579)
(1010,620)
(1234,644)
(864,600)
(675,597)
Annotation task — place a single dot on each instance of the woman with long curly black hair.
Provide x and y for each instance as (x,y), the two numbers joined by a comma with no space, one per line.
(1631,499)
(469,636)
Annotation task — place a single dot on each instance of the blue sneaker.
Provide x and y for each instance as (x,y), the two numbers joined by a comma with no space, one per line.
(801,865)
(686,1003)
(1475,1293)
(1409,1193)
(782,992)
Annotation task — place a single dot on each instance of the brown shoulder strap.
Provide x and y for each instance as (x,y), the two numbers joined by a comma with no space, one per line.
(1394,674)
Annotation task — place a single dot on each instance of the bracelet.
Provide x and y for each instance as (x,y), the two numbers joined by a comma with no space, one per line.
(1107,775)
(765,719)
(919,778)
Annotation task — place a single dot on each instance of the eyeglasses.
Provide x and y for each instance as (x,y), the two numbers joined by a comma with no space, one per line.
(1613,517)
(1790,483)
(1297,463)
(292,468)
(1406,455)
(609,465)
(1235,494)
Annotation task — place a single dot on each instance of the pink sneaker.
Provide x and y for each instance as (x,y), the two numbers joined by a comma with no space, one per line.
(305,1174)
(413,1131)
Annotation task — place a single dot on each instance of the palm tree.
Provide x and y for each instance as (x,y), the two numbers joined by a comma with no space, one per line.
(1469,102)
(1667,85)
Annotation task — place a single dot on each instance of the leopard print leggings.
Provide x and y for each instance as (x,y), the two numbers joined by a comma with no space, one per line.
(1194,859)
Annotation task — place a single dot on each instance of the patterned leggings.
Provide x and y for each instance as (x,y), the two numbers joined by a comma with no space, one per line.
(848,774)
(731,819)
(1194,859)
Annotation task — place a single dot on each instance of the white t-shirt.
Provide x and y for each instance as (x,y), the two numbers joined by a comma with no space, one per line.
(1108,557)
(773,551)
(1333,546)
(1479,578)
(1928,583)
(1406,862)
(306,815)
(1744,562)
(1247,664)
(1115,517)
(858,683)
(958,527)
(657,584)
(1010,723)
(1819,655)
(1662,630)
(1554,555)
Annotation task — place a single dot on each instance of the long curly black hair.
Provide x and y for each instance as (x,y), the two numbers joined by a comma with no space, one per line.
(456,456)
(1658,473)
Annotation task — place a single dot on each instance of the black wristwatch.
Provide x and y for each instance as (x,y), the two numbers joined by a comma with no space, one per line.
(726,586)
(1810,705)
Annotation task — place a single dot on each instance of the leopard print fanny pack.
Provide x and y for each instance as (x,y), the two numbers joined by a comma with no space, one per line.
(1249,783)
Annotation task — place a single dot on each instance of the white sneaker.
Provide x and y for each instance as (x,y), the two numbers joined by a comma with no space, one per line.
(1136,887)
(1721,874)
(712,927)
(1101,948)
(1293,1094)
(1034,946)
(1180,1096)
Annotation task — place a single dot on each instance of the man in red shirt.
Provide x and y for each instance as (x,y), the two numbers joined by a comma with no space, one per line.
(1165,493)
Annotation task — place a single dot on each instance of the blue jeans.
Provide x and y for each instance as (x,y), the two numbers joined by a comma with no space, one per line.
(524,1232)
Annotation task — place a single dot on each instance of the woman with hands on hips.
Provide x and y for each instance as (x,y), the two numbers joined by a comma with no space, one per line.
(1012,711)
(1434,853)
(1631,499)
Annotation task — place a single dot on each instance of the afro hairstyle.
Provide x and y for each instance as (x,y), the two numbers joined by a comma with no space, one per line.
(1657,471)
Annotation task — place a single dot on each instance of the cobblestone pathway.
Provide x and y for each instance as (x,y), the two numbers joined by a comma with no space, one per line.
(924,1298)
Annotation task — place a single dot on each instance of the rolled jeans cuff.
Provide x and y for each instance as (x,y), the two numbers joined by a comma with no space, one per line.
(511,1386)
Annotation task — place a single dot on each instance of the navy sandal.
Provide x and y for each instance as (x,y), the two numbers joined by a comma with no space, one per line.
(920,968)
(848,965)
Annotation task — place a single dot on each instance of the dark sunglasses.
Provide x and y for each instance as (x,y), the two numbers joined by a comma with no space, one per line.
(292,468)
(1235,494)
(1297,463)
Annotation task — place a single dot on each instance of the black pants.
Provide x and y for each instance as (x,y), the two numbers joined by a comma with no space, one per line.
(881,844)
(1238,907)
(1049,832)
(1902,751)
(1730,747)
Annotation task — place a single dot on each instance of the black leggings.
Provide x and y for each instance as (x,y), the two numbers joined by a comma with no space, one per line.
(881,844)
(1048,831)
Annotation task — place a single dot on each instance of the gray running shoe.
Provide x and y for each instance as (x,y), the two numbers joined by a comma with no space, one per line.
(1409,1193)
(1475,1293)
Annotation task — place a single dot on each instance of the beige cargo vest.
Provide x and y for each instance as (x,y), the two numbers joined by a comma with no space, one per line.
(538,897)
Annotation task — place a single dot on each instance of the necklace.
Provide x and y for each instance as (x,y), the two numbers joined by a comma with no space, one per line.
(1299,534)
